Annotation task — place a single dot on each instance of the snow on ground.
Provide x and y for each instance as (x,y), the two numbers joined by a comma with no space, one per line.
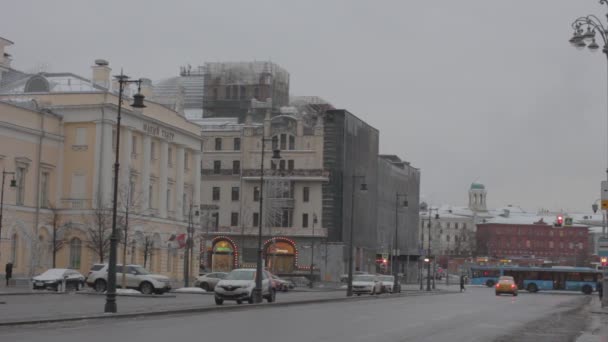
(190,290)
(127,291)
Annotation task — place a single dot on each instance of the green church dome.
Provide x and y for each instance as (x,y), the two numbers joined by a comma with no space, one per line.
(477,186)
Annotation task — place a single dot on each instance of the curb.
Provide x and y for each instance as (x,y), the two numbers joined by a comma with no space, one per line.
(127,295)
(31,293)
(211,309)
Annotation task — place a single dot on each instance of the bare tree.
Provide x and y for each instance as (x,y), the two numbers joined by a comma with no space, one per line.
(148,248)
(99,231)
(57,240)
(129,202)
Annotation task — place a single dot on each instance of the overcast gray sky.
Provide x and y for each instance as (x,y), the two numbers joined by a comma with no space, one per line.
(465,90)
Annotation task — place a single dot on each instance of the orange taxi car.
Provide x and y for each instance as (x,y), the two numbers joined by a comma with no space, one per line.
(507,285)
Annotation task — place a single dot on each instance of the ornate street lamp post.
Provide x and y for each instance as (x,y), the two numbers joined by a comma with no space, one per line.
(585,29)
(257,291)
(138,102)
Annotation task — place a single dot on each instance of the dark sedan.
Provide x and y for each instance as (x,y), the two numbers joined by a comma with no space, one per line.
(58,279)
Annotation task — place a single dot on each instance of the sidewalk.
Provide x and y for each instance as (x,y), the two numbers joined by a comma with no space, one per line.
(597,330)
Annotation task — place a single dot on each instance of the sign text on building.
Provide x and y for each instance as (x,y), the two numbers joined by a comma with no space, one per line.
(157,131)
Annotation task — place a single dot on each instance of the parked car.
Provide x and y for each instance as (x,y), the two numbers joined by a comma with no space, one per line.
(239,284)
(281,284)
(344,277)
(506,285)
(388,281)
(366,283)
(208,281)
(138,278)
(55,278)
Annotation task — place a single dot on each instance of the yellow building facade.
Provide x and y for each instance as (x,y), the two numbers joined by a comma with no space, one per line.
(57,141)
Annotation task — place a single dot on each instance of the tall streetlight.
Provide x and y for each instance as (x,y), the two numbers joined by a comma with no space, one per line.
(13,185)
(428,251)
(257,292)
(585,29)
(189,244)
(363,188)
(594,207)
(312,250)
(395,261)
(138,102)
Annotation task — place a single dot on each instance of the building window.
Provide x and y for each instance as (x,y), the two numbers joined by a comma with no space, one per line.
(275,142)
(290,165)
(218,144)
(217,167)
(283,141)
(282,164)
(216,220)
(215,94)
(256,194)
(153,150)
(306,195)
(448,225)
(228,92)
(235,193)
(75,252)
(256,219)
(292,142)
(133,145)
(243,93)
(236,167)
(81,136)
(44,190)
(20,177)
(14,245)
(168,206)
(464,226)
(447,238)
(304,220)
(186,158)
(237,144)
(151,196)
(235,92)
(286,219)
(456,225)
(170,157)
(234,219)
(216,193)
(273,165)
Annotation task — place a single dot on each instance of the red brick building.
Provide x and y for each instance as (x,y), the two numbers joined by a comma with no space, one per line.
(516,238)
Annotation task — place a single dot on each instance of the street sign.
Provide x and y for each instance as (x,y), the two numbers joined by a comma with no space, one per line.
(384,255)
(602,246)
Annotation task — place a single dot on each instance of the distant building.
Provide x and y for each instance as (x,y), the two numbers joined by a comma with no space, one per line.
(231,89)
(533,238)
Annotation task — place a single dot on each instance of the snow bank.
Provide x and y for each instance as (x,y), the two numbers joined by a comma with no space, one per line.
(189,290)
(127,291)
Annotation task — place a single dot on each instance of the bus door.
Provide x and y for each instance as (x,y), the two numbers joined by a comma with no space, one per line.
(559,281)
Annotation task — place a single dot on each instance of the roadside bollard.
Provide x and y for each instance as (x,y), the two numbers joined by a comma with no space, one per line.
(63,284)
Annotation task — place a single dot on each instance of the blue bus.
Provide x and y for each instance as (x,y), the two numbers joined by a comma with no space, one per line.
(534,279)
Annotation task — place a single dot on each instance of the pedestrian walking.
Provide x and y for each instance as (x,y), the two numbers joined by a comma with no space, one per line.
(8,271)
(462,283)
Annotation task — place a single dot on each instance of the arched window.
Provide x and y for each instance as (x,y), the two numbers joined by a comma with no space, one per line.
(75,253)
(14,244)
(37,84)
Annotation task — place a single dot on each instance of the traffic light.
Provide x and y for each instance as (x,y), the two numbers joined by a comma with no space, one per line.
(604,261)
(559,221)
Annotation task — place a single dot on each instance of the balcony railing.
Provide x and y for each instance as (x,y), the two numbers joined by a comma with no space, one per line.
(276,231)
(287,173)
(223,172)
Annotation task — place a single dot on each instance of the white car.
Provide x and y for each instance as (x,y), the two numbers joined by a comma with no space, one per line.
(366,284)
(239,284)
(388,281)
(137,278)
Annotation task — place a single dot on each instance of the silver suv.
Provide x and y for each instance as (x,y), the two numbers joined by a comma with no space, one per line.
(137,278)
(239,284)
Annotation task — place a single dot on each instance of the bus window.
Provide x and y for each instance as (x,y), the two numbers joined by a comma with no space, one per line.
(545,276)
(573,276)
(588,277)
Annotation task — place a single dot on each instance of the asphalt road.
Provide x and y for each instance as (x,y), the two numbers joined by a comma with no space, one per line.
(476,315)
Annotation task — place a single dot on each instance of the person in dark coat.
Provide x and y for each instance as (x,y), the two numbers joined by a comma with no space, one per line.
(462,283)
(8,270)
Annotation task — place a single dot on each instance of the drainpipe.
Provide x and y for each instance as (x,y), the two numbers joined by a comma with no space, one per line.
(34,238)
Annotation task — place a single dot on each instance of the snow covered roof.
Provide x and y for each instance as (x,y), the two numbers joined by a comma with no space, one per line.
(528,219)
(51,83)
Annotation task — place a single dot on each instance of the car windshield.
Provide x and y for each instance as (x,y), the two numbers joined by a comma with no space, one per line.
(97,267)
(364,278)
(53,273)
(141,270)
(387,278)
(240,275)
